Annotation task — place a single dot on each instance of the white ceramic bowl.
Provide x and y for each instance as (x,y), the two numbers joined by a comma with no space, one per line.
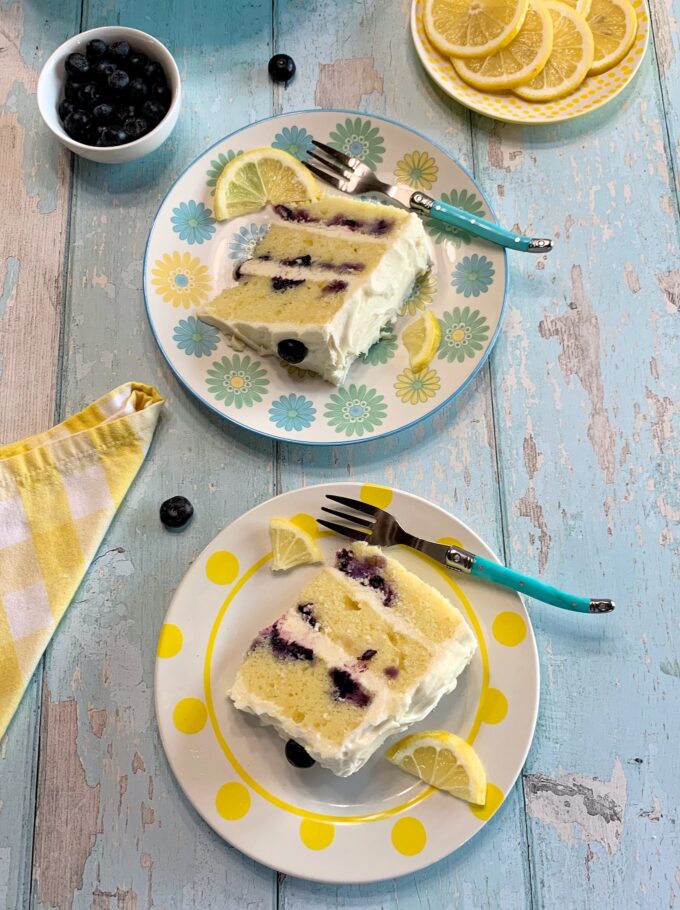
(51,91)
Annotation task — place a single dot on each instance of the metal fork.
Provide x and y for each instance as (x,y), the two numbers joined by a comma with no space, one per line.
(383,529)
(349,175)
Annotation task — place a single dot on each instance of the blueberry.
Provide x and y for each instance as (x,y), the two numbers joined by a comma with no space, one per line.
(77,65)
(136,62)
(118,81)
(137,90)
(291,350)
(77,125)
(136,127)
(334,287)
(102,113)
(160,93)
(376,581)
(65,108)
(281,68)
(95,50)
(345,688)
(113,135)
(297,756)
(91,95)
(124,112)
(74,91)
(153,72)
(120,50)
(153,111)
(176,512)
(368,654)
(104,69)
(284,284)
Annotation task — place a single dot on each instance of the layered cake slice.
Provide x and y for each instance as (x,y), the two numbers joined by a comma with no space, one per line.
(366,649)
(323,282)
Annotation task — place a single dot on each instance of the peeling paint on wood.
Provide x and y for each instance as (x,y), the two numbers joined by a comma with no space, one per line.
(345,83)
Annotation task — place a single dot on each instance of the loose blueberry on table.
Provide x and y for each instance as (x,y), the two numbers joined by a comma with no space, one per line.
(281,68)
(176,512)
(113,94)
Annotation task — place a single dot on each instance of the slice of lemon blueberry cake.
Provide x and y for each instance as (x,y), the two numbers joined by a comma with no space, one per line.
(322,282)
(366,649)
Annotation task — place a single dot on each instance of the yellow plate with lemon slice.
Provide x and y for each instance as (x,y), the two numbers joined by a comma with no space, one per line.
(594,92)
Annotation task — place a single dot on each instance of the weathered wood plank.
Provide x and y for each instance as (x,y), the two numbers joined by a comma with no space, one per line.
(585,385)
(125,836)
(33,203)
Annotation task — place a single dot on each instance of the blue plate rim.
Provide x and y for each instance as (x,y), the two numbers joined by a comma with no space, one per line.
(339,442)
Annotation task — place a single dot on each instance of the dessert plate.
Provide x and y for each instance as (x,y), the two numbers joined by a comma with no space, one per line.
(379,823)
(190,258)
(592,94)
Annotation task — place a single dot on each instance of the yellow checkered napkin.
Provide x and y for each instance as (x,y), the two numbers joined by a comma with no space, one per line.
(58,494)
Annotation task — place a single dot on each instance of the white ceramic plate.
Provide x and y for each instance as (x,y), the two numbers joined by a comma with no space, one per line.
(378,823)
(592,94)
(190,258)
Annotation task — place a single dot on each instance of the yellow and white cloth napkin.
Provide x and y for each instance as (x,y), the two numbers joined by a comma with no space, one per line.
(58,493)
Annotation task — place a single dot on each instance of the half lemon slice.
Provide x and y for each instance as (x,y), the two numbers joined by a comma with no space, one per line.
(291,546)
(421,340)
(251,180)
(614,26)
(444,761)
(569,61)
(517,62)
(473,28)
(582,7)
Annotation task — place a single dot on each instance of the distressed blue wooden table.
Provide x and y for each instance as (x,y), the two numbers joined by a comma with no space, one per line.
(563,454)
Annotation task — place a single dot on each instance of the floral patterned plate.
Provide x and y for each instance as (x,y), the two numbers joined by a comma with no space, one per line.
(190,258)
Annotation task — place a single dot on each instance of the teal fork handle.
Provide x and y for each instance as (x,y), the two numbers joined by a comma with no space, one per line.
(532,587)
(488,230)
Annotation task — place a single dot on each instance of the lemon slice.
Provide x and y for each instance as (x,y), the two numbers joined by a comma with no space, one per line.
(582,7)
(517,62)
(291,546)
(421,340)
(444,761)
(614,26)
(251,180)
(569,61)
(473,28)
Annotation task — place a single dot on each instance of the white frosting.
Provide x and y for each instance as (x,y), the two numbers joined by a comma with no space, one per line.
(388,713)
(371,303)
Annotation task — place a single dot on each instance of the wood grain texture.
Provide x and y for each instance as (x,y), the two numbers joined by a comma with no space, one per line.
(563,454)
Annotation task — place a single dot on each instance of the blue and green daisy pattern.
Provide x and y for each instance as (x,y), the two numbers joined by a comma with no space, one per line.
(417,387)
(195,338)
(358,138)
(243,242)
(460,199)
(218,164)
(382,351)
(355,410)
(193,222)
(295,140)
(473,276)
(237,381)
(464,333)
(292,412)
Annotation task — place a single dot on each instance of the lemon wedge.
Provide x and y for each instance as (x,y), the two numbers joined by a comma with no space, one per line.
(291,546)
(569,61)
(614,26)
(473,28)
(517,62)
(582,7)
(444,761)
(421,340)
(251,180)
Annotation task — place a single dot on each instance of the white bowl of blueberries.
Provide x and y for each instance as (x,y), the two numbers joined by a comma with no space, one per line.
(110,94)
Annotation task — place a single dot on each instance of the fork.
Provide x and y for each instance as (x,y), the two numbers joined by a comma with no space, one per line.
(349,175)
(382,529)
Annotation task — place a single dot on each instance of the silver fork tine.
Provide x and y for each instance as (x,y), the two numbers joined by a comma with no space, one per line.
(335,181)
(334,153)
(355,504)
(332,166)
(357,521)
(344,532)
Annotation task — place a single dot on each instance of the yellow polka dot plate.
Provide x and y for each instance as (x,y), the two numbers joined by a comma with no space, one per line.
(591,95)
(190,258)
(379,823)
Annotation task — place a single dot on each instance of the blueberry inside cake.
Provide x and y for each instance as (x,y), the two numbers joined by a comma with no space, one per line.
(366,649)
(322,283)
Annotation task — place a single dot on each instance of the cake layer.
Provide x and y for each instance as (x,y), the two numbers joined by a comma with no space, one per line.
(359,216)
(344,668)
(291,246)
